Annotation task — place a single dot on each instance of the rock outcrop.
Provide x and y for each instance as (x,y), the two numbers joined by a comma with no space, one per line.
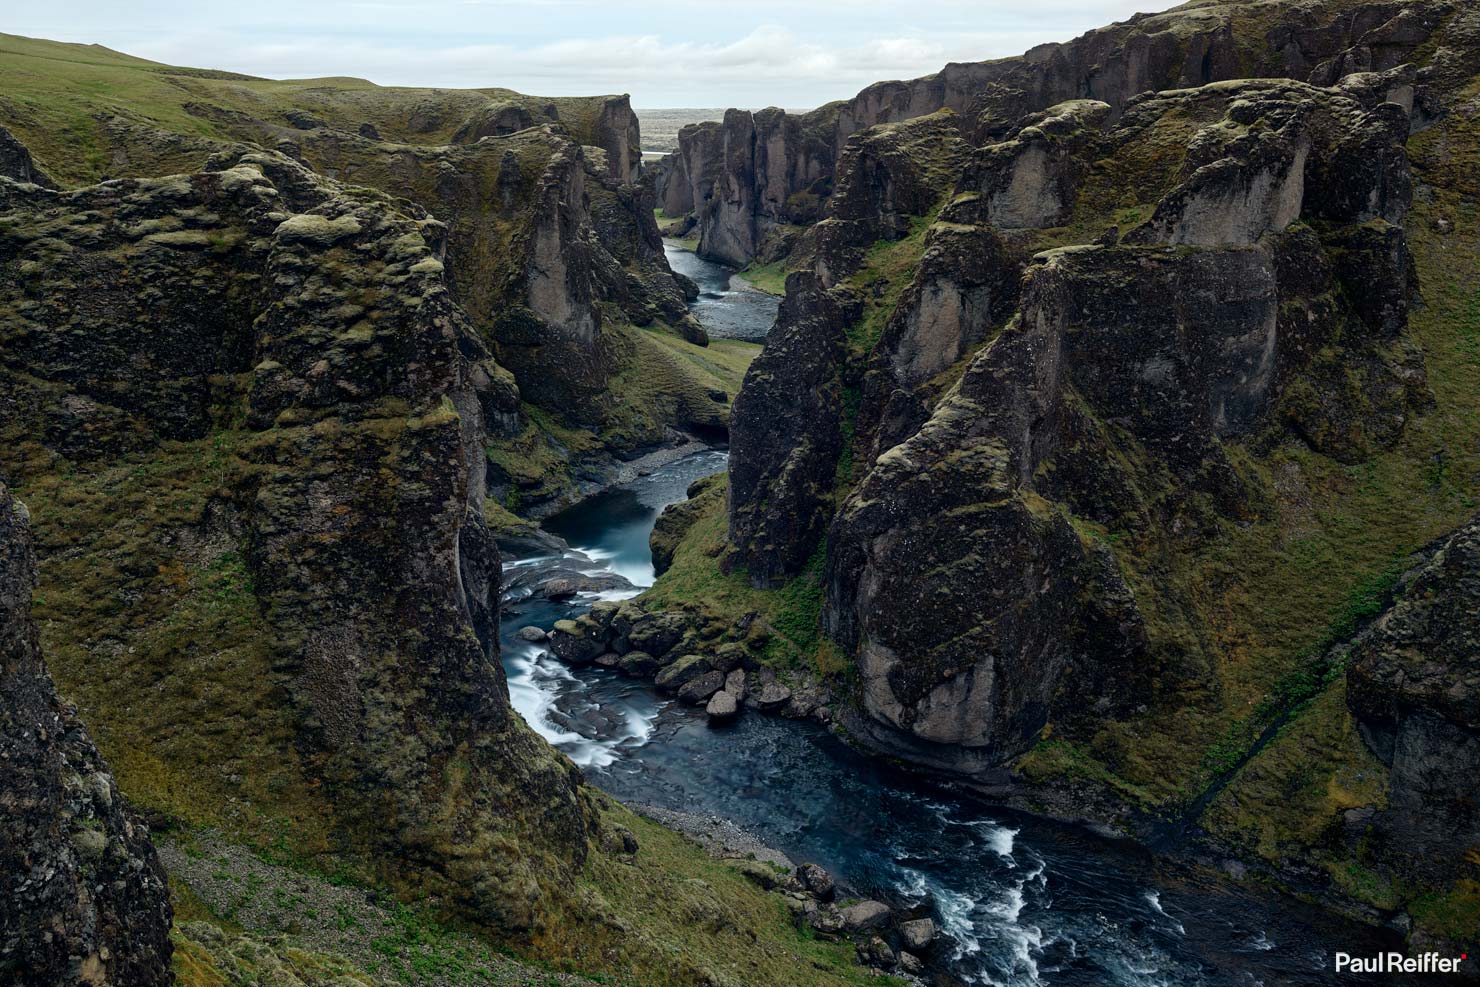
(550,243)
(959,574)
(83,898)
(1413,683)
(16,163)
(782,464)
(309,327)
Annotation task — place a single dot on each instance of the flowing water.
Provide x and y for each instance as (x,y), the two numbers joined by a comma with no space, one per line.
(1022,901)
(726,309)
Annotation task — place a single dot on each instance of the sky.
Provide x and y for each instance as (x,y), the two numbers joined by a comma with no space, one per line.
(665,53)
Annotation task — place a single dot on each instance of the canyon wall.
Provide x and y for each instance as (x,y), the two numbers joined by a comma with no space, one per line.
(752,177)
(1121,392)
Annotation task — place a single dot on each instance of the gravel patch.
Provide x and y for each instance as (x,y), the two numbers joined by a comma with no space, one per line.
(720,837)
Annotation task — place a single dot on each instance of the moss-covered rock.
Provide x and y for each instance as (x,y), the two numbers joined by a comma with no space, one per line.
(336,396)
(82,894)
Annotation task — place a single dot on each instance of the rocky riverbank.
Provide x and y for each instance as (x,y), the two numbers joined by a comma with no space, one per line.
(725,671)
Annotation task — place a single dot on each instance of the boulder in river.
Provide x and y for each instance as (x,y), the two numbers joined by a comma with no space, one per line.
(772,695)
(576,642)
(638,664)
(865,915)
(735,684)
(700,688)
(917,934)
(532,634)
(722,707)
(678,674)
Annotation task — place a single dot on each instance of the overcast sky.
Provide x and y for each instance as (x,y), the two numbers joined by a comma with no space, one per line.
(792,53)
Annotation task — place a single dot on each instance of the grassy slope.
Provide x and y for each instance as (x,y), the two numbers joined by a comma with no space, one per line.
(51,95)
(672,916)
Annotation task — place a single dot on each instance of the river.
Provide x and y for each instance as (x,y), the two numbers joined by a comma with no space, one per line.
(724,307)
(1022,901)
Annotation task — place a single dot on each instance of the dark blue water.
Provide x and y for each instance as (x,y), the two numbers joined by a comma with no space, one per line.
(727,308)
(1023,901)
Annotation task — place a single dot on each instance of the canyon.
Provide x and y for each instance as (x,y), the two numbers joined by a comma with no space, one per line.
(1111,461)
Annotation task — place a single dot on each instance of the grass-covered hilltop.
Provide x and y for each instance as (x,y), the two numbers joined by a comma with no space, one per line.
(1115,455)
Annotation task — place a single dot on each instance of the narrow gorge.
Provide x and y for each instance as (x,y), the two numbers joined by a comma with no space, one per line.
(1016,526)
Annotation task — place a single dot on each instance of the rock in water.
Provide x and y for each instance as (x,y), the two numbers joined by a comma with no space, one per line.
(683,671)
(532,634)
(82,894)
(701,687)
(722,707)
(772,695)
(917,934)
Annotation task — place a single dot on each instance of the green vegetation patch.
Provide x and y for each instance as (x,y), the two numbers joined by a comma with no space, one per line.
(787,633)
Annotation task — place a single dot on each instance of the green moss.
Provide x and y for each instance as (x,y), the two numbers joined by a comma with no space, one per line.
(888,268)
(770,278)
(790,616)
(1453,913)
(132,601)
(1315,769)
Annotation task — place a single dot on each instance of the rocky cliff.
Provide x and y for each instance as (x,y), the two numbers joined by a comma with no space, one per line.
(749,179)
(1117,415)
(271,369)
(1411,683)
(551,247)
(268,449)
(84,897)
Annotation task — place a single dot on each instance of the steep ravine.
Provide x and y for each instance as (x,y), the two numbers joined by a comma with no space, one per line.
(1019,900)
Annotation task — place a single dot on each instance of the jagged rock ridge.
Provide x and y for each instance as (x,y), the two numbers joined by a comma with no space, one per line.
(752,177)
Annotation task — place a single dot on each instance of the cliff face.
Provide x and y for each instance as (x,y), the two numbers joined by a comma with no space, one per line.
(1126,367)
(1136,407)
(786,166)
(84,897)
(1412,685)
(784,463)
(550,243)
(299,337)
